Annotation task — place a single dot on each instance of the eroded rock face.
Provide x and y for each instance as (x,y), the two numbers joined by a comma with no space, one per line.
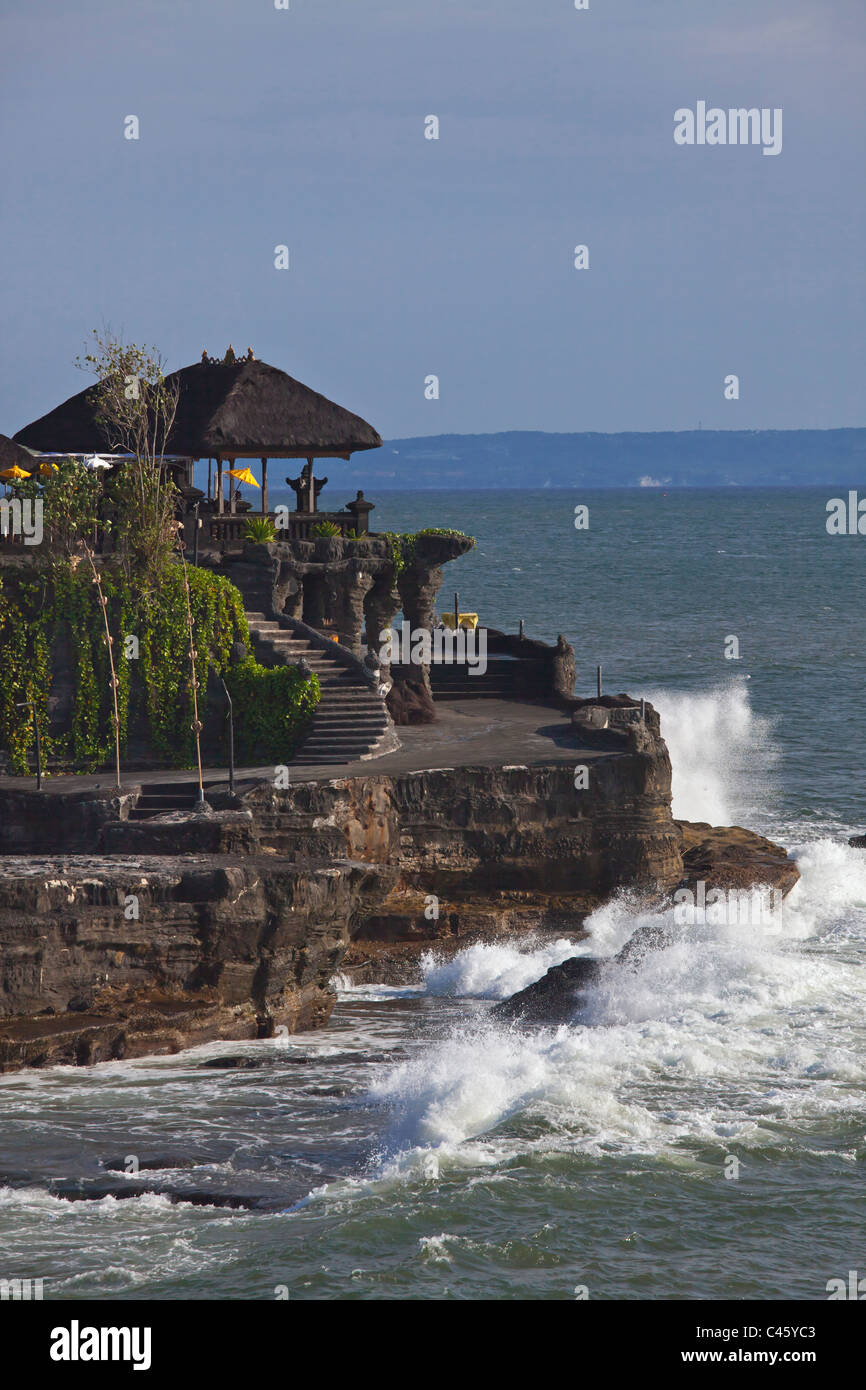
(730,857)
(112,957)
(75,826)
(410,702)
(484,852)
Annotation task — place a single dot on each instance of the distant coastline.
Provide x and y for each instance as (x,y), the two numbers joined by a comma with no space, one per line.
(531,459)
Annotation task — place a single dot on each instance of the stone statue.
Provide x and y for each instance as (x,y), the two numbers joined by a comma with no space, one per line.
(302,489)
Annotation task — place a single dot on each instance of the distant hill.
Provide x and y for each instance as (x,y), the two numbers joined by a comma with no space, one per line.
(693,458)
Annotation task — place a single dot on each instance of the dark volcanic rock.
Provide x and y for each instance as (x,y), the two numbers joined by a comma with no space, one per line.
(554,998)
(857,842)
(155,1163)
(645,939)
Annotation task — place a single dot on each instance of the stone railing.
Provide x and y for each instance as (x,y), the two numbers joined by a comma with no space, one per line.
(336,650)
(301,525)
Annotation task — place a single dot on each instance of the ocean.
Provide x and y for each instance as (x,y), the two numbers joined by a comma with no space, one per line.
(697,1132)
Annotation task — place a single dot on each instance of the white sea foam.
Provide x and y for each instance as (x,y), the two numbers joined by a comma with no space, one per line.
(722,753)
(348,989)
(492,970)
(730,1035)
(708,1040)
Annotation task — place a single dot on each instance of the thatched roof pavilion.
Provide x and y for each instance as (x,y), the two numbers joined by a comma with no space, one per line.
(12,454)
(228,408)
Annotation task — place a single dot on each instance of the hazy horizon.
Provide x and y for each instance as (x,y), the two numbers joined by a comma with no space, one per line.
(412,257)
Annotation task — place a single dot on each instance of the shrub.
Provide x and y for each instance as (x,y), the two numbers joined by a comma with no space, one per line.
(272,707)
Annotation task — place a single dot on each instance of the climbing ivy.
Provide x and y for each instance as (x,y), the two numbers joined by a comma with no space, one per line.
(40,617)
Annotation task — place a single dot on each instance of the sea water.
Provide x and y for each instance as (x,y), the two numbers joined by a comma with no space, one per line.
(697,1131)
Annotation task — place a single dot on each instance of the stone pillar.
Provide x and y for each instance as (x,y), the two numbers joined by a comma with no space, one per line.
(381,606)
(293,603)
(419,585)
(352,589)
(563,671)
(286,596)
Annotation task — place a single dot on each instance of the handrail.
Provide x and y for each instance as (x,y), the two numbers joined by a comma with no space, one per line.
(28,704)
(231,738)
(344,655)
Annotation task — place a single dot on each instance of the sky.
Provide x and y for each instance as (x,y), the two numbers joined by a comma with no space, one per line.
(411,257)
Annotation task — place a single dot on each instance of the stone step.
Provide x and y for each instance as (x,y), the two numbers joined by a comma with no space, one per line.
(327,752)
(340,742)
(311,653)
(348,694)
(148,809)
(360,721)
(322,762)
(345,714)
(348,707)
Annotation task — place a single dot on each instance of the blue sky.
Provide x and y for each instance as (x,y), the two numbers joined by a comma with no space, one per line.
(411,257)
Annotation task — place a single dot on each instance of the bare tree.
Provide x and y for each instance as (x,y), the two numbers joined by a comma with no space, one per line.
(136,406)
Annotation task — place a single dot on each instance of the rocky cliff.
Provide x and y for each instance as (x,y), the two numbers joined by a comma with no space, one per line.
(482,851)
(122,937)
(116,956)
(180,928)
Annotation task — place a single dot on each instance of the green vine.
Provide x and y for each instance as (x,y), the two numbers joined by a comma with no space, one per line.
(40,618)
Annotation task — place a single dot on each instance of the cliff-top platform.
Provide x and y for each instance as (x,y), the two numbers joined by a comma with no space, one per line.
(480,733)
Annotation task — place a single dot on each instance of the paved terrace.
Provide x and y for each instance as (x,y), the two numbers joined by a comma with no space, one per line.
(467,733)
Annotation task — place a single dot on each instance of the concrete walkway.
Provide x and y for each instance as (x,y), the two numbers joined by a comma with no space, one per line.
(467,733)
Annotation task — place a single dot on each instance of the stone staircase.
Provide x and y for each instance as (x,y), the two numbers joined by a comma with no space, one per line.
(350,722)
(159,797)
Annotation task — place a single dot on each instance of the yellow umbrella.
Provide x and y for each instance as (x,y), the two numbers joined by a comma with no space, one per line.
(8,474)
(243,475)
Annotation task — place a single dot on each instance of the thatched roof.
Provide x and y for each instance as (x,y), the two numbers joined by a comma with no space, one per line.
(12,453)
(232,408)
